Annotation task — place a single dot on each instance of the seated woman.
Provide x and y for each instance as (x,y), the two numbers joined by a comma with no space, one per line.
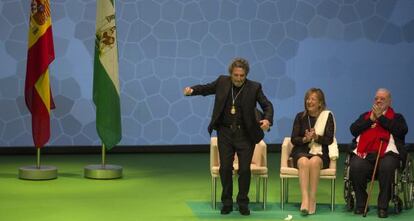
(313,131)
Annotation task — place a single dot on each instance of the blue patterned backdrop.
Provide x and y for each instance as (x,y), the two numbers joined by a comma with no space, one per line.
(346,47)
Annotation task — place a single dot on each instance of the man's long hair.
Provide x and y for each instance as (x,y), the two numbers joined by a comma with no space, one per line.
(239,63)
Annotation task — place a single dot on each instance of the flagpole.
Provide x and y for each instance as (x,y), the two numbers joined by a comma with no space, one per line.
(106,90)
(38,158)
(37,172)
(38,82)
(103,171)
(103,155)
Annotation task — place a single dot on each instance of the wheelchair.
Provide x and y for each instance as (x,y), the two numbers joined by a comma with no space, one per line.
(403,185)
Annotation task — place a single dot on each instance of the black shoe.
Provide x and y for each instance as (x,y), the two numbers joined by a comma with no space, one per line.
(382,213)
(244,210)
(226,210)
(360,211)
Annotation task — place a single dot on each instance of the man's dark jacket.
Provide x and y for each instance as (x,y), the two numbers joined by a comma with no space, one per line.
(251,95)
(397,127)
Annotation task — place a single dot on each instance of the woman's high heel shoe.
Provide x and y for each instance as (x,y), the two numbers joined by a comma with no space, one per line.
(304,212)
(314,211)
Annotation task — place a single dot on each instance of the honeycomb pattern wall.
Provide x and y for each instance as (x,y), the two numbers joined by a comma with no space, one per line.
(348,48)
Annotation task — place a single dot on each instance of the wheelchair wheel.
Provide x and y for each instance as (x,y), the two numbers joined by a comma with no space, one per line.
(398,205)
(349,199)
(348,191)
(408,185)
(408,195)
(350,203)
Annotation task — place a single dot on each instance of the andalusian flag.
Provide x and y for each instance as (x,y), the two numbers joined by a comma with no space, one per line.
(105,76)
(41,53)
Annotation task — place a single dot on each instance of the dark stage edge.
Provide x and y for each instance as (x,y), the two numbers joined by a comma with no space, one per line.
(200,148)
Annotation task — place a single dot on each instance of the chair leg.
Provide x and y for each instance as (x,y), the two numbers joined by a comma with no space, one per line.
(332,195)
(282,191)
(286,190)
(257,189)
(264,192)
(213,192)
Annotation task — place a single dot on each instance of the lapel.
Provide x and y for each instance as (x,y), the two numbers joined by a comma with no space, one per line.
(221,95)
(226,89)
(245,93)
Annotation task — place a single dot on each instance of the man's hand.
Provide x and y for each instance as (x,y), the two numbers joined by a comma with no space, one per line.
(188,91)
(372,116)
(265,124)
(376,112)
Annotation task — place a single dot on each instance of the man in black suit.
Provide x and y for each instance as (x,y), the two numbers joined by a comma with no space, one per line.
(238,130)
(378,131)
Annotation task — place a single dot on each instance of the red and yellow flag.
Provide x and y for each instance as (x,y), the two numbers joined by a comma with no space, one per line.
(40,54)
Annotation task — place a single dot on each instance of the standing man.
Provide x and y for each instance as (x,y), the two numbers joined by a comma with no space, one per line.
(238,131)
(380,126)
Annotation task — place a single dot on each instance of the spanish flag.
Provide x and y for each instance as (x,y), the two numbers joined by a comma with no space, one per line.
(40,54)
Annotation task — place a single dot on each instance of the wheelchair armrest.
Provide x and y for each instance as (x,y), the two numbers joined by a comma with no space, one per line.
(405,162)
(349,148)
(348,159)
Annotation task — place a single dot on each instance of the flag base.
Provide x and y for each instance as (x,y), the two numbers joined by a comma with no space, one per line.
(97,171)
(34,173)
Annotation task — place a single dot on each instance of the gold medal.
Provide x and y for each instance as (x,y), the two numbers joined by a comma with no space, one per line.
(233,109)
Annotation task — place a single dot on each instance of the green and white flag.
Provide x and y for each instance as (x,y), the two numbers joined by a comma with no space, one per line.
(105,75)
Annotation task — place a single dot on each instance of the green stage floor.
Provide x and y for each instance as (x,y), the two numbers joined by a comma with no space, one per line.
(154,187)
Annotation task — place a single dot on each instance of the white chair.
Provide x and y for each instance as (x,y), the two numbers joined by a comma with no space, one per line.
(287,171)
(258,169)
